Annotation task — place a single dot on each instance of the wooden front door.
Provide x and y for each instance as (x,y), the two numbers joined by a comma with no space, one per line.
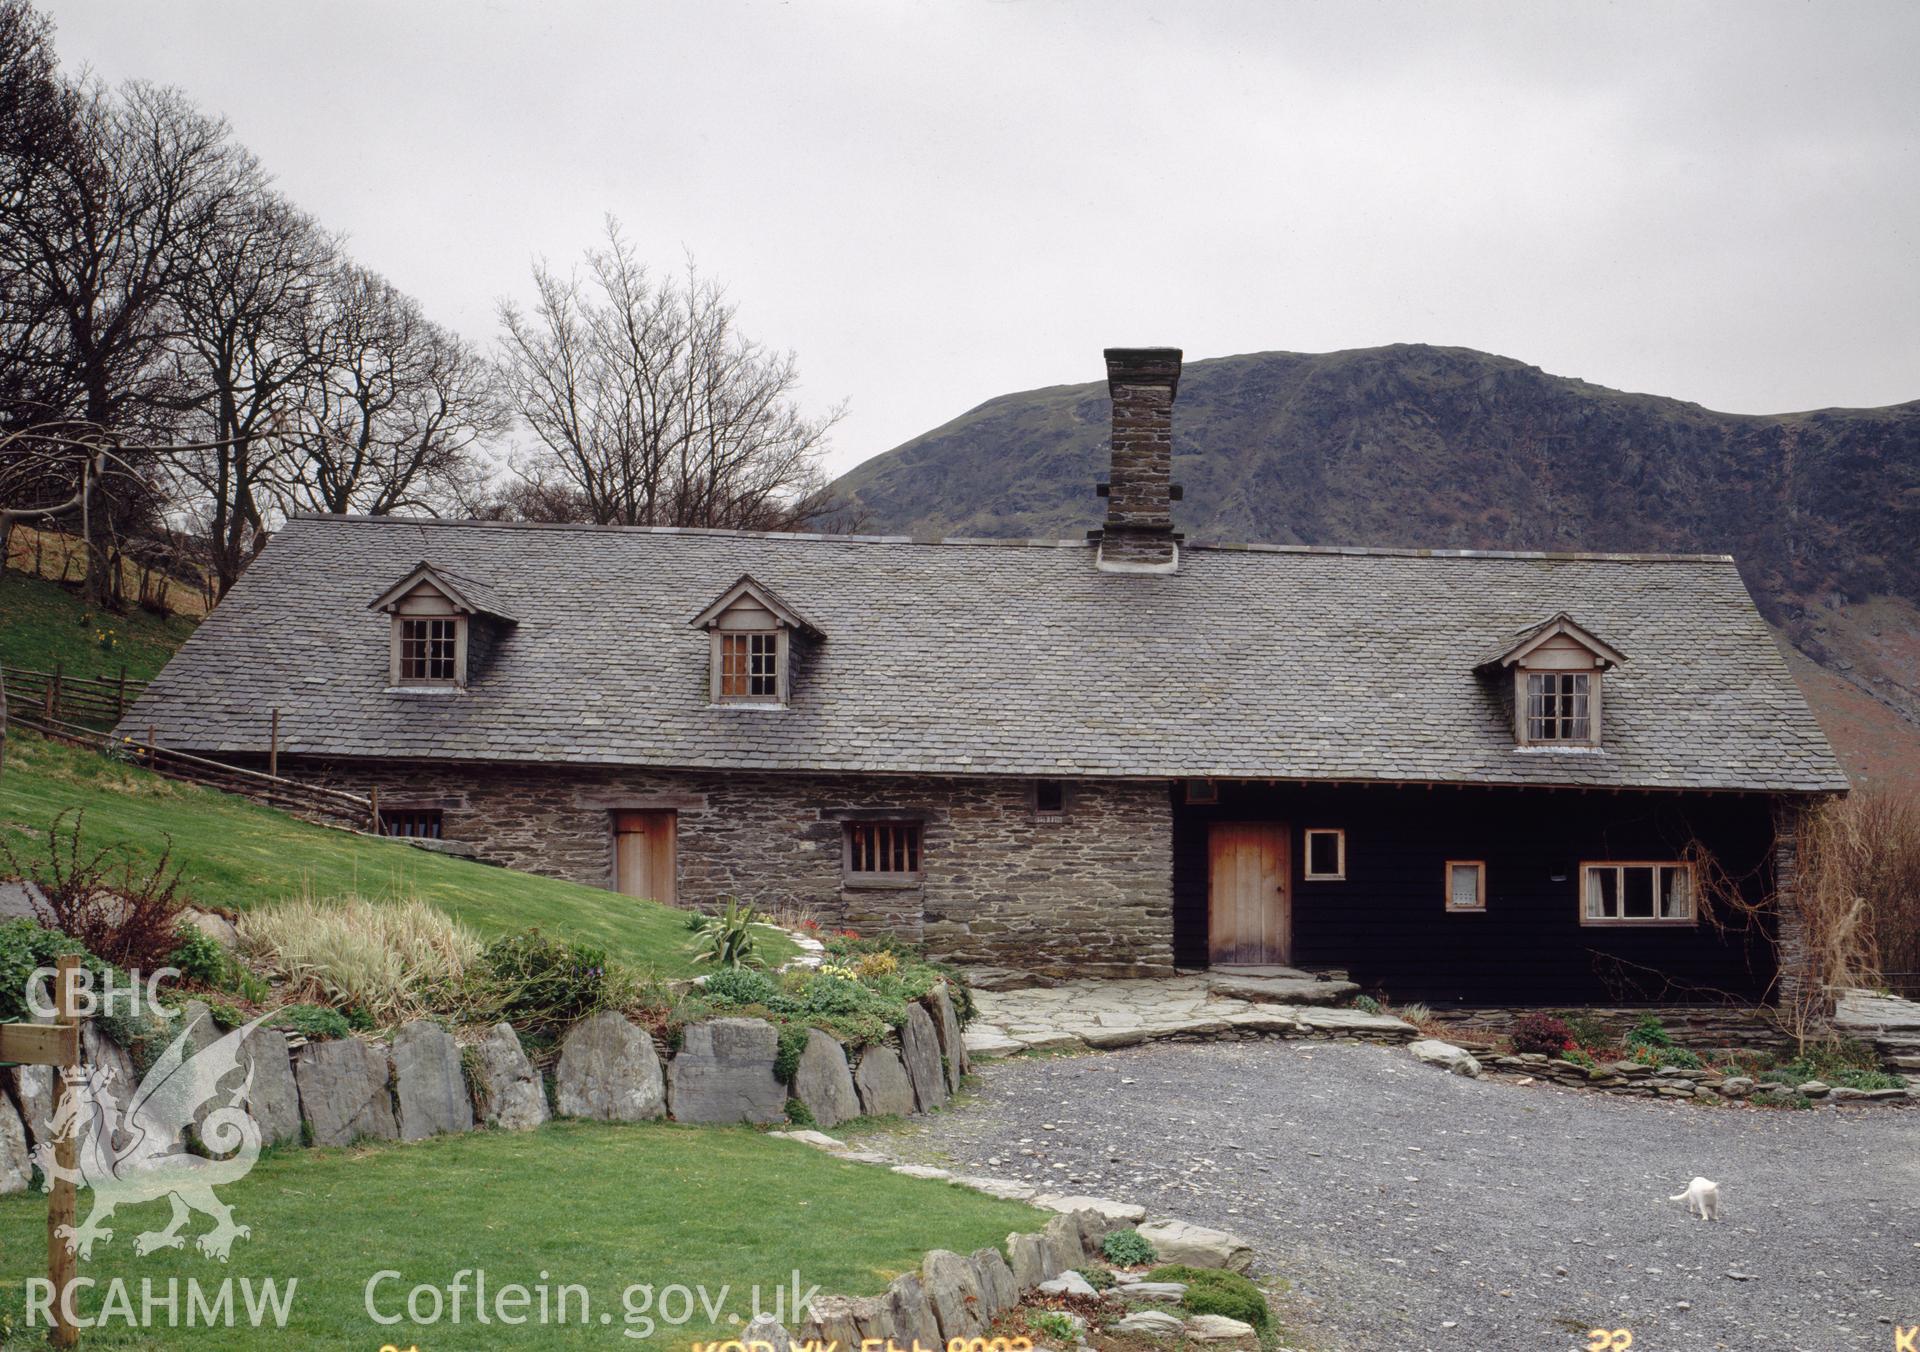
(1250,906)
(643,855)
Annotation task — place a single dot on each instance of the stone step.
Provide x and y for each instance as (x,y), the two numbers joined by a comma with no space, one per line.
(1280,990)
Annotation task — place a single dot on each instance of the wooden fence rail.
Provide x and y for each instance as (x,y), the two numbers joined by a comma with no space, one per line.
(74,699)
(314,801)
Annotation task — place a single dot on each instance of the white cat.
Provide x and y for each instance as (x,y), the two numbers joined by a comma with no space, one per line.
(1702,1198)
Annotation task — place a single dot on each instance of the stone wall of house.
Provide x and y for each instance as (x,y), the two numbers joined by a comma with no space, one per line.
(1088,895)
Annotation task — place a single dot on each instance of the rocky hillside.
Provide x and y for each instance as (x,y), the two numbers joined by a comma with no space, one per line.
(1452,448)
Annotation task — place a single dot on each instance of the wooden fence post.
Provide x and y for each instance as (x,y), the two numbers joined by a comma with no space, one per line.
(120,696)
(53,692)
(373,798)
(273,747)
(62,1205)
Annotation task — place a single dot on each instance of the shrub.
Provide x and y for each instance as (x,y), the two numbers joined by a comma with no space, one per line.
(1542,1033)
(1214,1291)
(389,961)
(128,919)
(1056,1324)
(200,958)
(728,939)
(1587,1030)
(1099,1276)
(542,985)
(1366,1003)
(23,947)
(313,1022)
(1416,1014)
(740,986)
(1127,1248)
(1839,1062)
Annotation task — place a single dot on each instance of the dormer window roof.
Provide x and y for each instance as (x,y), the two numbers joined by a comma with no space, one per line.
(435,612)
(1557,666)
(751,635)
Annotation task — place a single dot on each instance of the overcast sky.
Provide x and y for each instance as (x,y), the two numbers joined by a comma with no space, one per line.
(936,203)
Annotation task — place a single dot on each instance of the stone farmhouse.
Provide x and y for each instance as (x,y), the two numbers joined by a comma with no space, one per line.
(1468,776)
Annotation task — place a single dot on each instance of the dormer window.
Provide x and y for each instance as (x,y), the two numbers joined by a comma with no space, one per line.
(440,620)
(1556,668)
(751,635)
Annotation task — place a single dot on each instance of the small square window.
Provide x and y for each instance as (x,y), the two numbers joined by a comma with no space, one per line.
(1466,885)
(1326,855)
(1050,800)
(414,823)
(1202,792)
(882,853)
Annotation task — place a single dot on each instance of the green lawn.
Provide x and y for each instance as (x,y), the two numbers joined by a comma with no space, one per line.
(238,855)
(607,1207)
(40,623)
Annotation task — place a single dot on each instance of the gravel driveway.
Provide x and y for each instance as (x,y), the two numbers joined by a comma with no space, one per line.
(1411,1209)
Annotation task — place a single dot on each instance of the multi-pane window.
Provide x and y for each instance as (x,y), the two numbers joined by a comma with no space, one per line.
(750,666)
(427,649)
(1559,706)
(882,851)
(417,823)
(1466,885)
(1636,894)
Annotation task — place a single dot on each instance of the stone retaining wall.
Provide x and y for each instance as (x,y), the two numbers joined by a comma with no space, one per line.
(1088,895)
(1632,1078)
(1702,1028)
(423,1083)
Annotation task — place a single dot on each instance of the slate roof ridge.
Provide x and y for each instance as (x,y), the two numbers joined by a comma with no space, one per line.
(976,541)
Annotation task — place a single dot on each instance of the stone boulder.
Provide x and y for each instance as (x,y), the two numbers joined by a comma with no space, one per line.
(824,1082)
(16,1163)
(724,1073)
(998,1290)
(344,1094)
(885,1090)
(428,1086)
(920,1049)
(764,1329)
(609,1072)
(953,1045)
(1218,1328)
(215,926)
(1064,1244)
(1197,1246)
(32,1088)
(1120,1213)
(1155,1324)
(909,1313)
(1032,1260)
(1445,1055)
(273,1096)
(953,1286)
(1067,1284)
(837,1320)
(508,1087)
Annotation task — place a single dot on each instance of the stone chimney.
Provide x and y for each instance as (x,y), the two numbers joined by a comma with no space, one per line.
(1140,492)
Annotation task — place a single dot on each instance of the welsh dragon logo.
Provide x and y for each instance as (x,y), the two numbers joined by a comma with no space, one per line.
(134,1150)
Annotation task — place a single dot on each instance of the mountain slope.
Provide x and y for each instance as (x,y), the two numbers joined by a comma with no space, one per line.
(1452,448)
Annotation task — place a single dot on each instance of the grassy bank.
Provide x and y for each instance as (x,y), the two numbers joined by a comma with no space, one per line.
(607,1207)
(237,855)
(43,622)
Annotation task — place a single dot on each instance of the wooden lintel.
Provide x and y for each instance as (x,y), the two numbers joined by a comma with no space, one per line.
(40,1044)
(641,802)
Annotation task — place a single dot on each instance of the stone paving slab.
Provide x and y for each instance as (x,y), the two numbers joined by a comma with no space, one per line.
(1111,1014)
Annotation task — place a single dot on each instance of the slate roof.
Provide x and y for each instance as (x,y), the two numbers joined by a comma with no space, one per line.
(990,657)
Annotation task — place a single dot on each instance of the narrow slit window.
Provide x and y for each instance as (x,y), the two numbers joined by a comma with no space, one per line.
(1466,885)
(1657,893)
(883,851)
(1050,800)
(427,650)
(1559,706)
(1326,855)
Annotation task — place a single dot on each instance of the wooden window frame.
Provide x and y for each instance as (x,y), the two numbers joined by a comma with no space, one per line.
(1050,815)
(1689,921)
(1479,866)
(395,675)
(390,816)
(1523,724)
(857,878)
(1200,792)
(1339,875)
(717,674)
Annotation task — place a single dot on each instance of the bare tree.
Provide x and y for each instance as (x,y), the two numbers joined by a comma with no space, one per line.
(246,313)
(392,408)
(98,235)
(650,404)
